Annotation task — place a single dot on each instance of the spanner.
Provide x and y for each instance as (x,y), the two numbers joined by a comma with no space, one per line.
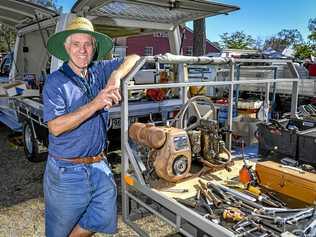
(310,230)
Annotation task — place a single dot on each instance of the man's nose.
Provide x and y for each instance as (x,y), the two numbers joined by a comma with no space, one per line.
(83,48)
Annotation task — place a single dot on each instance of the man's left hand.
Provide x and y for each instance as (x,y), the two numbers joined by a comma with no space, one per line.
(113,86)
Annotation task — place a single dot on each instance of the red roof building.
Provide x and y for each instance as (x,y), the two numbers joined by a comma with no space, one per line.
(158,43)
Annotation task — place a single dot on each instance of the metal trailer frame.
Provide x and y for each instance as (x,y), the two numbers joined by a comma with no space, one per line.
(185,221)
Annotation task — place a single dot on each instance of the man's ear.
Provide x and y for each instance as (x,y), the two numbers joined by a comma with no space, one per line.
(95,52)
(66,46)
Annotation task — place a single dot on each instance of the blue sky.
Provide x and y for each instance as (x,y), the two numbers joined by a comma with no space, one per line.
(258,18)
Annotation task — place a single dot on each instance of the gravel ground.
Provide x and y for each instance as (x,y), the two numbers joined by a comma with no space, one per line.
(22,202)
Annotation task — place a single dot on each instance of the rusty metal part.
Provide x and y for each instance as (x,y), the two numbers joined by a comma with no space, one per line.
(209,194)
(215,167)
(195,141)
(172,162)
(148,134)
(219,192)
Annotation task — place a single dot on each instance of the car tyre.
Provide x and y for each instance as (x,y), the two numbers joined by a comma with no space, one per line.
(31,147)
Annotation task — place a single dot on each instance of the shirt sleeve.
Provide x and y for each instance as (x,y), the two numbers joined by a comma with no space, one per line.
(54,101)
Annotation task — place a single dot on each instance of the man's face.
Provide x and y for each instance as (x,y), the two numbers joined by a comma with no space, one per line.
(80,48)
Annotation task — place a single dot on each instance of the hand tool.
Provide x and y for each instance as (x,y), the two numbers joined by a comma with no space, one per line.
(209,194)
(176,190)
(302,216)
(295,217)
(246,232)
(310,230)
(233,214)
(235,193)
(242,223)
(273,210)
(267,224)
(220,193)
(276,199)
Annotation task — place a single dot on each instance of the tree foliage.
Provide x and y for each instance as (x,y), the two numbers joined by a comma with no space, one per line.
(312,24)
(292,36)
(7,37)
(49,4)
(237,40)
(285,38)
(303,51)
(312,29)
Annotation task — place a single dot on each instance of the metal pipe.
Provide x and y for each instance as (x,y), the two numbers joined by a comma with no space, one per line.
(210,83)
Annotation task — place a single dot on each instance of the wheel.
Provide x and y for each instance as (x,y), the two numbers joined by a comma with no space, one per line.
(196,113)
(31,147)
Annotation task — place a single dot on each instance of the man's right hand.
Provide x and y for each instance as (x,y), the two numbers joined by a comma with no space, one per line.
(105,99)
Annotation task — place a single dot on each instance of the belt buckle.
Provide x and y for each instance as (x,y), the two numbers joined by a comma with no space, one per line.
(92,160)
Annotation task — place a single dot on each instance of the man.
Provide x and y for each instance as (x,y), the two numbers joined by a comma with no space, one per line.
(80,193)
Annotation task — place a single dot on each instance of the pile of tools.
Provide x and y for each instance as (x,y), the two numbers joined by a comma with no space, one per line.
(250,212)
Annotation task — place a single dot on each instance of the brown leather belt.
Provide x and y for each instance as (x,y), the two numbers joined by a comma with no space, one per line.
(84,160)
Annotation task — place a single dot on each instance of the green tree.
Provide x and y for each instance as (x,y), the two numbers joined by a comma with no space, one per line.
(275,43)
(303,51)
(237,40)
(292,36)
(285,38)
(49,4)
(312,29)
(7,37)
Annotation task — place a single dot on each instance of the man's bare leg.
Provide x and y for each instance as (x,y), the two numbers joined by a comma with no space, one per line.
(80,232)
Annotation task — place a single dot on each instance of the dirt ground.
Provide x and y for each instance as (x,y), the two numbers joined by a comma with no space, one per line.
(22,202)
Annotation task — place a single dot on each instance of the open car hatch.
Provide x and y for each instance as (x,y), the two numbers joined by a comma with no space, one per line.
(138,16)
(19,13)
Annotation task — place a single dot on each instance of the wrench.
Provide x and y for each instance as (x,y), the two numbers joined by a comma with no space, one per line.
(297,216)
(273,210)
(300,215)
(310,230)
(242,224)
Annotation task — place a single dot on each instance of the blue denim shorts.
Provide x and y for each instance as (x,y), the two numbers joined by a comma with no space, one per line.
(83,194)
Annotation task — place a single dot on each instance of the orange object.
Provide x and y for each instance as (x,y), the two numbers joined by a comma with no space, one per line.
(287,180)
(244,175)
(147,134)
(156,94)
(233,214)
(129,180)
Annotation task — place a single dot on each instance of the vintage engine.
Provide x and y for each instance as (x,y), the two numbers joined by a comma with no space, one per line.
(207,143)
(170,149)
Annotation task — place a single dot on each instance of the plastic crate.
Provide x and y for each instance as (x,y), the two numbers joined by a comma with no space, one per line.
(288,138)
(307,147)
(278,140)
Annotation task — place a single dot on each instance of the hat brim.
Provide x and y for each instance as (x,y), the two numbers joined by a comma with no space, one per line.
(55,44)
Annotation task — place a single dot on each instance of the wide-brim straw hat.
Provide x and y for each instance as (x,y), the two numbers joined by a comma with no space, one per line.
(55,44)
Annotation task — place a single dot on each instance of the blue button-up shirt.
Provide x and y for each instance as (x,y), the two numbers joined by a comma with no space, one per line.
(62,95)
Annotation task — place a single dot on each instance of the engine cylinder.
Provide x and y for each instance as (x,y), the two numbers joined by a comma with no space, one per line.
(147,134)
